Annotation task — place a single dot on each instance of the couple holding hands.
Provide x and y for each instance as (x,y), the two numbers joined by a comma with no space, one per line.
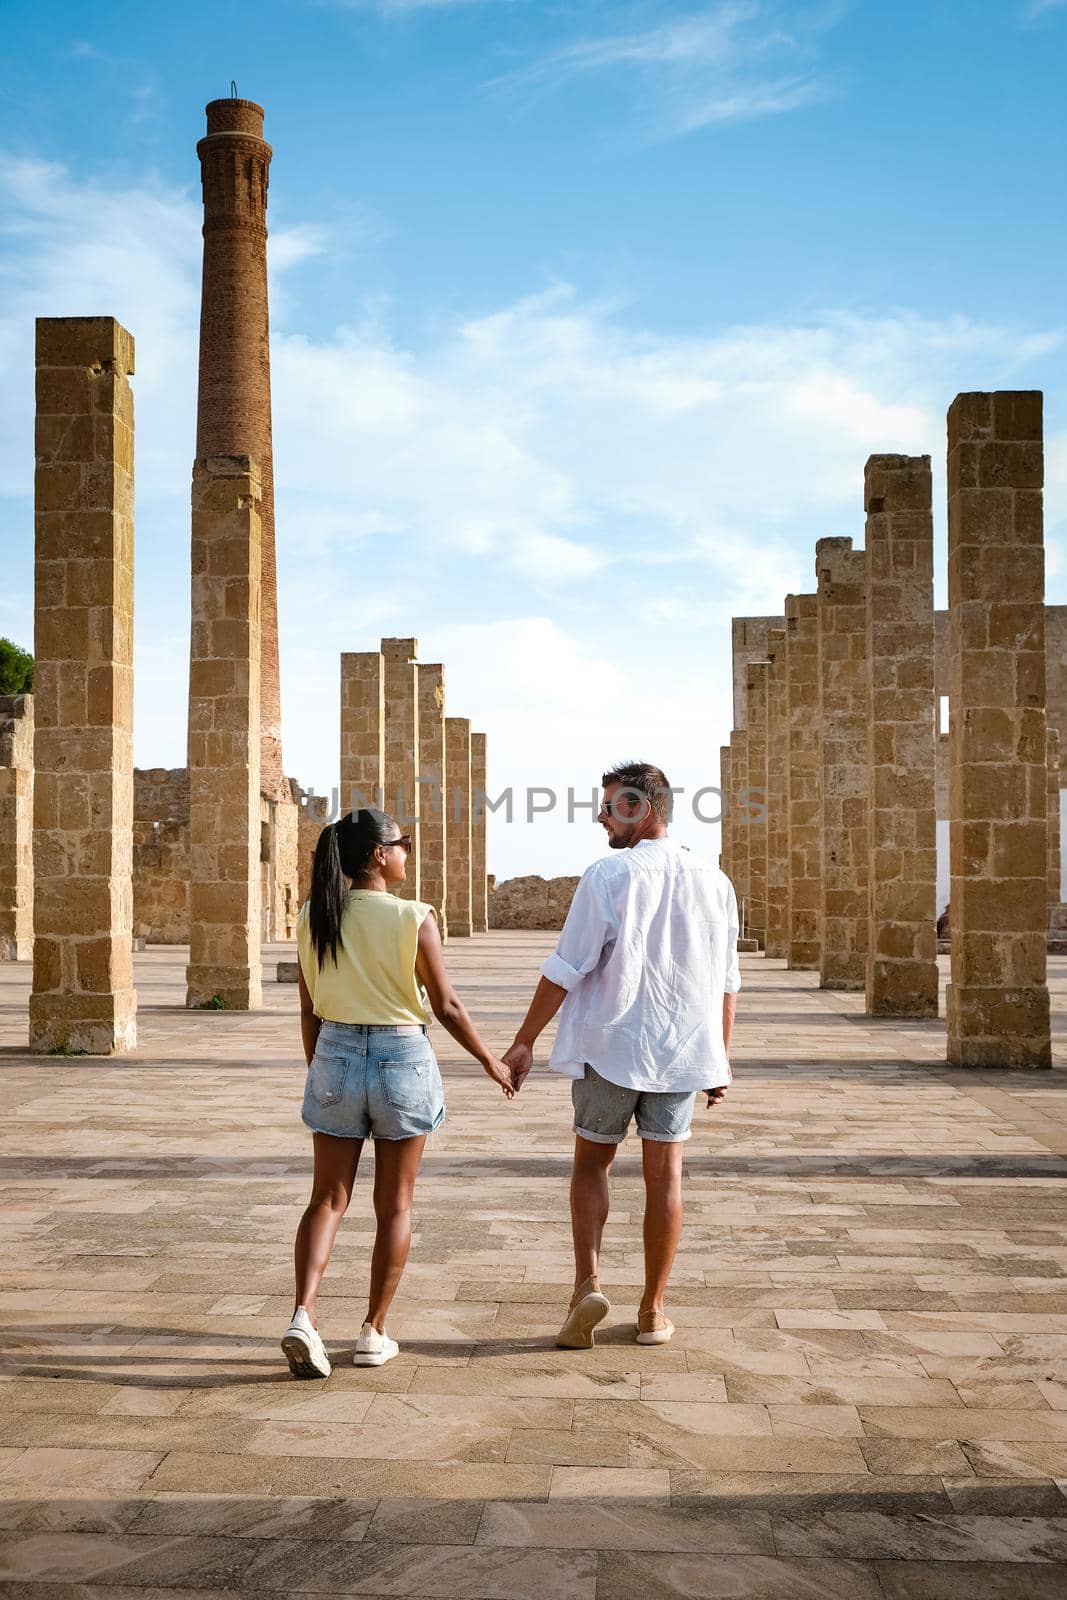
(646,973)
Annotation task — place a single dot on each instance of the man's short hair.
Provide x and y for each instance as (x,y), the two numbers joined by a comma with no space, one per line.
(647,780)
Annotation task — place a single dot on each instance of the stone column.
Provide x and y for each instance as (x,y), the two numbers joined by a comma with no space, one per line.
(725,858)
(901,978)
(362,730)
(805,830)
(224,738)
(776,943)
(459,903)
(83,997)
(402,797)
(433,819)
(755,810)
(843,711)
(1053,811)
(233,413)
(998,1002)
(16,827)
(739,824)
(479,834)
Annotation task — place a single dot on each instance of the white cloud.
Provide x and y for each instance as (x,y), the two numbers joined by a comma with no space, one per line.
(564,505)
(732,62)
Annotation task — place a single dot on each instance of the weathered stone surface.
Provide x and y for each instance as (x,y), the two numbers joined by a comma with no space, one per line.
(433,820)
(804,766)
(161,854)
(226,889)
(1053,811)
(16,827)
(83,997)
(901,977)
(233,415)
(776,941)
(402,797)
(531,902)
(362,730)
(737,822)
(754,811)
(459,901)
(997,1002)
(479,833)
(843,782)
(725,858)
(748,642)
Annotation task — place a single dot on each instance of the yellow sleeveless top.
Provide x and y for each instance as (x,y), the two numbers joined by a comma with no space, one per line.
(374,980)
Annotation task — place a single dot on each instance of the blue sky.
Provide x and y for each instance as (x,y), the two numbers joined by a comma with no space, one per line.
(586,317)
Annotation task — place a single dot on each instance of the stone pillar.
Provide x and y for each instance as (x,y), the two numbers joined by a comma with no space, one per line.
(479,834)
(1053,812)
(362,730)
(83,997)
(402,798)
(433,819)
(998,1001)
(755,811)
(725,859)
(233,412)
(739,824)
(776,943)
(459,903)
(843,711)
(805,830)
(16,827)
(901,978)
(224,738)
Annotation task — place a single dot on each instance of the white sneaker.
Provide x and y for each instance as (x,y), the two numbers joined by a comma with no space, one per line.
(374,1349)
(303,1349)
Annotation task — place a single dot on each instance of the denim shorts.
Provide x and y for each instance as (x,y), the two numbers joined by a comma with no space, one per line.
(602,1111)
(372,1082)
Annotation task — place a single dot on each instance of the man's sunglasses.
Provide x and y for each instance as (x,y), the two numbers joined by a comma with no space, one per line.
(404,841)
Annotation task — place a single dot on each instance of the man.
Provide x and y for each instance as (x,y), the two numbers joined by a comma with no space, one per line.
(646,972)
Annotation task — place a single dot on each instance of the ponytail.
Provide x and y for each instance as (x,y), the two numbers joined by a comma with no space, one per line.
(326,902)
(344,851)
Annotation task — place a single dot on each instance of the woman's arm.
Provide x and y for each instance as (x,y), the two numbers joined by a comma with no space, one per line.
(309,1022)
(448,1008)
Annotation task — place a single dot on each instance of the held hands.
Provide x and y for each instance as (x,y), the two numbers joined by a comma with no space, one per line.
(520,1060)
(715,1096)
(500,1073)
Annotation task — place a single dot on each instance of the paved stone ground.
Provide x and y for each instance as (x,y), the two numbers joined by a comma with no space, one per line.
(867,1395)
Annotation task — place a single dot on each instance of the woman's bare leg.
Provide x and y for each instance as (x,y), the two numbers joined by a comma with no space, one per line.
(396,1165)
(336,1161)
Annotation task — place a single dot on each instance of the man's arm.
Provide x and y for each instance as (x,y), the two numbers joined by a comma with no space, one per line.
(590,924)
(729,999)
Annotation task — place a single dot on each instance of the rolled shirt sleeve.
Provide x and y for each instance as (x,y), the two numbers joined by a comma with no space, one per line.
(732,983)
(591,923)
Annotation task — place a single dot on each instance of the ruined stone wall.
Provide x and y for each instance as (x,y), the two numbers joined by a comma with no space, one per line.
(16,827)
(530,902)
(161,854)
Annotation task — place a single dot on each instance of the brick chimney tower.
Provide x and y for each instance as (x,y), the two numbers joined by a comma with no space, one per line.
(233,402)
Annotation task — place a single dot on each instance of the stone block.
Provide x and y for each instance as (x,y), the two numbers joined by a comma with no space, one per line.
(999,786)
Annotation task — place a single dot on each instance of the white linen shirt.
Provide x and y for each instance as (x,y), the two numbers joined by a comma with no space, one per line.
(648,949)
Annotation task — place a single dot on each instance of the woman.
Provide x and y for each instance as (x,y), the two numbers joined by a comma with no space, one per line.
(369,962)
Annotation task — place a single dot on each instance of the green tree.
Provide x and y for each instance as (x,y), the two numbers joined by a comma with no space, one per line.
(16,669)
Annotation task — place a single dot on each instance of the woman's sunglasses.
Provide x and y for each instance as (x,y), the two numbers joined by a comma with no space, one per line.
(404,841)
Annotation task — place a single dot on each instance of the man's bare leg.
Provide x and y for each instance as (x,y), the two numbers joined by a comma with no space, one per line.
(662,1163)
(589,1204)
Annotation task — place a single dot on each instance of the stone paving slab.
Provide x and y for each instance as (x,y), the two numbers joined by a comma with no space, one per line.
(866,1395)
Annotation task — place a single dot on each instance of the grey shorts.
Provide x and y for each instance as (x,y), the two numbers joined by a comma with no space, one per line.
(602,1111)
(373,1082)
